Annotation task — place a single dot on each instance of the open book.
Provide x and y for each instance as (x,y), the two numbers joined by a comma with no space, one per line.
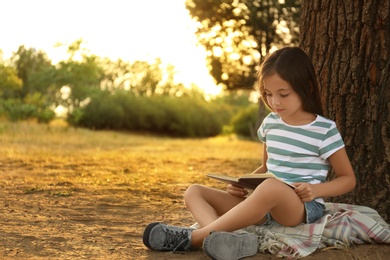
(250,181)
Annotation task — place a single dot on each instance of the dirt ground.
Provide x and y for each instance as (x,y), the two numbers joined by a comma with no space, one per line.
(77,194)
(105,224)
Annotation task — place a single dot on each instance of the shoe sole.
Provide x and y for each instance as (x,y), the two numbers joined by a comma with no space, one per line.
(231,246)
(145,236)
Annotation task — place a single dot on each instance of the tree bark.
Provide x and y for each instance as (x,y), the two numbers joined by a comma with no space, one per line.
(349,43)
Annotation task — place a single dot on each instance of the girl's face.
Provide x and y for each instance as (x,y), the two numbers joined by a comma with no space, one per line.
(283,100)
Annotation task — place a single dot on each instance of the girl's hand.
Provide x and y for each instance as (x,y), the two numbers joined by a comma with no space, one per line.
(237,191)
(305,191)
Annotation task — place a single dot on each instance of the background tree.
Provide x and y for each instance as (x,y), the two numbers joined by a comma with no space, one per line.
(27,85)
(141,78)
(82,77)
(351,53)
(81,73)
(35,70)
(10,83)
(236,34)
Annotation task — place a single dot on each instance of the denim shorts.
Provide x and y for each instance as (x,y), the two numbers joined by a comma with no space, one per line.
(314,211)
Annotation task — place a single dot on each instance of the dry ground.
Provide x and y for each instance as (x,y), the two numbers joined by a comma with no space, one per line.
(77,194)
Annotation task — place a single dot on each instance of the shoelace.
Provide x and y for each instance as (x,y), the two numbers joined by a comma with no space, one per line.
(175,239)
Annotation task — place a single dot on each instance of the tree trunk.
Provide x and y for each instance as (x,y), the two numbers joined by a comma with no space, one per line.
(349,44)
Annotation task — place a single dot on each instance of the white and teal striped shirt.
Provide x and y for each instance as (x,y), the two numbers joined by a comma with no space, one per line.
(300,153)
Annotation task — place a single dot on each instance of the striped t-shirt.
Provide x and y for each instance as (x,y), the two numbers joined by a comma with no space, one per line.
(300,153)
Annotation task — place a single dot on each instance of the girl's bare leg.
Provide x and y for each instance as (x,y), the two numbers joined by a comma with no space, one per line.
(271,196)
(207,204)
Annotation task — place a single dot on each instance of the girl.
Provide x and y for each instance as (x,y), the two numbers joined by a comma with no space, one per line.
(300,146)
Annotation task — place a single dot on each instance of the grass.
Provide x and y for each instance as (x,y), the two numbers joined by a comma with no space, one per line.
(55,158)
(62,187)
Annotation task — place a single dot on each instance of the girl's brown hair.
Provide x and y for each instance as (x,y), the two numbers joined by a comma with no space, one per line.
(294,66)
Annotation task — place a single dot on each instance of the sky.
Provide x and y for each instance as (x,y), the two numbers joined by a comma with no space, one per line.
(127,29)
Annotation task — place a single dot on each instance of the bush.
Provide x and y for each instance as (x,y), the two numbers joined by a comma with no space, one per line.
(16,110)
(45,115)
(102,112)
(246,122)
(174,116)
(186,116)
(75,117)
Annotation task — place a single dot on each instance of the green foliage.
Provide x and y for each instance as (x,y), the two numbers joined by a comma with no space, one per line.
(246,122)
(10,83)
(186,116)
(236,98)
(183,116)
(34,69)
(27,86)
(16,109)
(102,113)
(102,94)
(45,115)
(75,117)
(237,34)
(82,77)
(140,77)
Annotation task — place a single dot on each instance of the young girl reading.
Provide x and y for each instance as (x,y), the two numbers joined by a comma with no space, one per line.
(300,146)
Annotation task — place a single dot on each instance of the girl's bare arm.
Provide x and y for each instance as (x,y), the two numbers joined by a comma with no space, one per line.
(263,167)
(344,181)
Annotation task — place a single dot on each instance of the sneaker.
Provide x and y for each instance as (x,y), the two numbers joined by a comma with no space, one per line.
(230,246)
(161,237)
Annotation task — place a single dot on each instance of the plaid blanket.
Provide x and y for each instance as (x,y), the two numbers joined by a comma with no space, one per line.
(341,226)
